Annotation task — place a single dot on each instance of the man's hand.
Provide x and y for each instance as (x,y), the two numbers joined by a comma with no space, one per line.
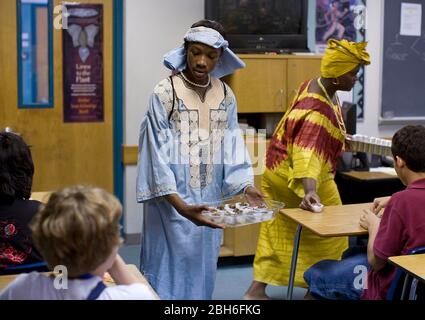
(194,214)
(369,220)
(379,204)
(191,212)
(254,197)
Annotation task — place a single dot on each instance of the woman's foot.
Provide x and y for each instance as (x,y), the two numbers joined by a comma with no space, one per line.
(257,291)
(308,296)
(256,297)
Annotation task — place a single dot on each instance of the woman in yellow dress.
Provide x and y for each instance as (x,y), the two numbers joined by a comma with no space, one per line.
(300,168)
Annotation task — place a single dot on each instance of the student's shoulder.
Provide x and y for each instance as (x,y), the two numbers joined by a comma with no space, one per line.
(135,291)
(32,277)
(34,204)
(406,201)
(404,196)
(21,285)
(24,210)
(30,204)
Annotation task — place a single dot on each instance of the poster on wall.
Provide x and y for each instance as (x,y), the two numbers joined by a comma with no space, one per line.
(337,19)
(343,19)
(83,64)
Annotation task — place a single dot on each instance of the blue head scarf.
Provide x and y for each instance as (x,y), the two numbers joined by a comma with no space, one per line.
(176,59)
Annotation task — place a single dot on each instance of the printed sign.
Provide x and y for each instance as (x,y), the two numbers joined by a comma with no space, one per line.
(83,64)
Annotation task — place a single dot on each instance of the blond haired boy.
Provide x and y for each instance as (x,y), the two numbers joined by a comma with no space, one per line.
(78,230)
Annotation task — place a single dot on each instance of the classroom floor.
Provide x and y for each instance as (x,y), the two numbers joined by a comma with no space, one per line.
(234,275)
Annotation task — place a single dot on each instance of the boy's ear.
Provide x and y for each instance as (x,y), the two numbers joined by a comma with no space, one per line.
(400,162)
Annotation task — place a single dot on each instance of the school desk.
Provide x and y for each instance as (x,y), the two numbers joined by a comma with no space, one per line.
(413,264)
(41,196)
(333,221)
(365,186)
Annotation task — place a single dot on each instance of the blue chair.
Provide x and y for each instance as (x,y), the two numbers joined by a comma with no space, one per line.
(24,268)
(404,285)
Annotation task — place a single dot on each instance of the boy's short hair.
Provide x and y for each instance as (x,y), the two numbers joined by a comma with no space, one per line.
(409,144)
(77,228)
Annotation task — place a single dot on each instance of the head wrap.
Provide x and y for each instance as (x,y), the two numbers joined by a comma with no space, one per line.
(227,64)
(343,56)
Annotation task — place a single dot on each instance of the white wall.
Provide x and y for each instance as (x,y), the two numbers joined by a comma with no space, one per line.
(152,28)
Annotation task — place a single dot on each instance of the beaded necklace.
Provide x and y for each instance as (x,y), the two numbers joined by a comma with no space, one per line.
(336,108)
(196,84)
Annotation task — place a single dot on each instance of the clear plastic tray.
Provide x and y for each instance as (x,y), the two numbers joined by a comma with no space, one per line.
(361,143)
(236,212)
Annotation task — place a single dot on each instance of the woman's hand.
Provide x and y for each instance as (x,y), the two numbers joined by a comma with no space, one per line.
(369,220)
(348,143)
(309,199)
(310,195)
(194,214)
(254,196)
(379,204)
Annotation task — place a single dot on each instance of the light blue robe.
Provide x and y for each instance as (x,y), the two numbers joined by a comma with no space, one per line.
(178,258)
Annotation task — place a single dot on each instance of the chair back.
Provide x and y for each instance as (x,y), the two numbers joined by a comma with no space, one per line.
(24,268)
(403,284)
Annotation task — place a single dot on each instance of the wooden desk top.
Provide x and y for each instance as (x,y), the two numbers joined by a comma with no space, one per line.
(333,221)
(367,175)
(413,264)
(41,196)
(5,280)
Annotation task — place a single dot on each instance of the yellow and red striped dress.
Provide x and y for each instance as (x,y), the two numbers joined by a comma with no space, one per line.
(305,144)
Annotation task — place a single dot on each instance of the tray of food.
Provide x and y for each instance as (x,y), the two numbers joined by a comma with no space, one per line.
(362,143)
(237,212)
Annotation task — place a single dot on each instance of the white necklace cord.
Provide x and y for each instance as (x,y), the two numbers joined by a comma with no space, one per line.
(337,108)
(196,84)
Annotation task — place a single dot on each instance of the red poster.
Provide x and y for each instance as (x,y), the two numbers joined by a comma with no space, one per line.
(83,64)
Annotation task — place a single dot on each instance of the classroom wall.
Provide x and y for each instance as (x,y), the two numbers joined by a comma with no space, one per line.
(151,29)
(154,27)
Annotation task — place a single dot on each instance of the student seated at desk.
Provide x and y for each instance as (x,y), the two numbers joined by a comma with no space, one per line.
(16,210)
(400,229)
(78,229)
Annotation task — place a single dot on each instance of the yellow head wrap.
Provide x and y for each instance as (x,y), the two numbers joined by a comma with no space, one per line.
(343,56)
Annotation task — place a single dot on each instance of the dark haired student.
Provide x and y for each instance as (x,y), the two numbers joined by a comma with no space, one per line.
(400,229)
(191,154)
(16,210)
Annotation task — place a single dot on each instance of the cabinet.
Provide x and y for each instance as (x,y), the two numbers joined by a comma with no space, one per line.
(261,85)
(299,70)
(242,241)
(269,82)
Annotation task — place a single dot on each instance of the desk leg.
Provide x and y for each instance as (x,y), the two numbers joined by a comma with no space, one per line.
(294,262)
(403,292)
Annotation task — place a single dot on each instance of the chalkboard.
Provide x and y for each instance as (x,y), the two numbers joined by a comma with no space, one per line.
(403,74)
